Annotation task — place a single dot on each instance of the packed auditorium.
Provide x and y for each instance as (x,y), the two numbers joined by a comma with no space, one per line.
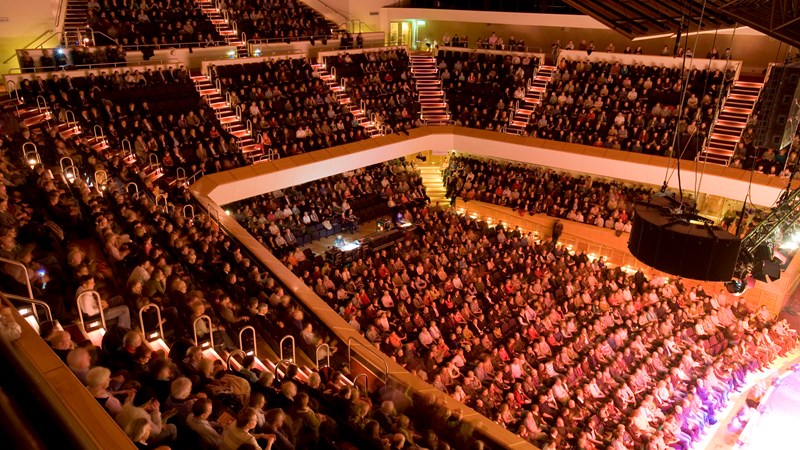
(380,225)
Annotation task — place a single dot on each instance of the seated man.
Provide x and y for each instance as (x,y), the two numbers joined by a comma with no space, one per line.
(112,309)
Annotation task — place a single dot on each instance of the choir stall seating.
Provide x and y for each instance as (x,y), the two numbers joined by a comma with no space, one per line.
(380,84)
(483,87)
(154,22)
(635,108)
(290,108)
(201,267)
(288,20)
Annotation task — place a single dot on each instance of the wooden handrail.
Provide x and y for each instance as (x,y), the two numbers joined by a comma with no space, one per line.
(79,419)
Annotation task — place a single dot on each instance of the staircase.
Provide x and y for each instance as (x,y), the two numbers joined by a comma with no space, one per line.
(77,15)
(730,124)
(433,107)
(224,27)
(534,95)
(370,127)
(431,173)
(228,118)
(76,22)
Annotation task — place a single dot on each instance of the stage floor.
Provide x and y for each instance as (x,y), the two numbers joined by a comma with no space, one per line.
(776,428)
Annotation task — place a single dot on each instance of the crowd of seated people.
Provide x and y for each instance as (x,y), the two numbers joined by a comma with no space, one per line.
(153,111)
(564,350)
(765,160)
(532,190)
(380,83)
(73,56)
(482,88)
(154,23)
(285,221)
(75,237)
(636,108)
(288,20)
(291,109)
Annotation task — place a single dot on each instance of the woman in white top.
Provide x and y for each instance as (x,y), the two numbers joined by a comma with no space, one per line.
(98,380)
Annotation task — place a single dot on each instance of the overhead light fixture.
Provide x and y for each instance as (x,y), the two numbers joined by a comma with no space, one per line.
(693,33)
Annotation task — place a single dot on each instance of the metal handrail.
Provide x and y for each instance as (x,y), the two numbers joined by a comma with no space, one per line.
(277,367)
(32,157)
(374,353)
(100,183)
(25,271)
(194,177)
(150,160)
(95,296)
(327,355)
(69,160)
(158,313)
(210,330)
(241,339)
(231,355)
(13,93)
(29,44)
(102,134)
(116,42)
(180,174)
(41,104)
(191,208)
(366,381)
(290,38)
(33,302)
(118,64)
(280,348)
(71,173)
(136,189)
(71,122)
(160,196)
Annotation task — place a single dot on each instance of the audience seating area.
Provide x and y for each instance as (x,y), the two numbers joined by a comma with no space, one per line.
(287,20)
(286,221)
(290,108)
(631,108)
(154,115)
(532,190)
(181,335)
(482,88)
(151,23)
(380,84)
(560,347)
(138,246)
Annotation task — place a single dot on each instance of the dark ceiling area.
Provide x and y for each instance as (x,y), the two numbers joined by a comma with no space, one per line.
(637,18)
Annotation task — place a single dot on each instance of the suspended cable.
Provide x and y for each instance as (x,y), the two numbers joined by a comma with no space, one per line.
(685,79)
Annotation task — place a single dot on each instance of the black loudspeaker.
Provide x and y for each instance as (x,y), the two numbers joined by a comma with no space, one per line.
(678,246)
(780,104)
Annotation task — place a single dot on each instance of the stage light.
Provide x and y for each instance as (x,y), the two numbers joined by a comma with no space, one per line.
(736,287)
(257,52)
(791,242)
